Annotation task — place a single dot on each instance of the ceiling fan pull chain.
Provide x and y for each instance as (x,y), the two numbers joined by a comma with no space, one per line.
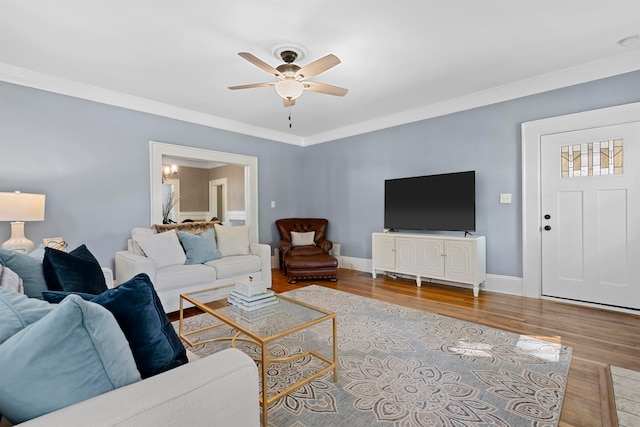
(290,126)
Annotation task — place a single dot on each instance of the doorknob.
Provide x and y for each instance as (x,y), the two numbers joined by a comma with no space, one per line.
(547,227)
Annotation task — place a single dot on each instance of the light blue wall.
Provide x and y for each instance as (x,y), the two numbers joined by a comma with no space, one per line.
(345,178)
(91,160)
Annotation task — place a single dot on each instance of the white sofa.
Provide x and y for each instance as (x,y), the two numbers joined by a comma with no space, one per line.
(221,389)
(172,280)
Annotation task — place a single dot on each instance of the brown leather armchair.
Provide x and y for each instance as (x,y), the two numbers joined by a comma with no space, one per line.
(307,259)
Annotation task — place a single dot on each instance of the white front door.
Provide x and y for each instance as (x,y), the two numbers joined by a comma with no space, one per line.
(590,186)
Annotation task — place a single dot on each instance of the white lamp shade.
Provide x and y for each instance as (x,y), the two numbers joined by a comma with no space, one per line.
(289,88)
(21,207)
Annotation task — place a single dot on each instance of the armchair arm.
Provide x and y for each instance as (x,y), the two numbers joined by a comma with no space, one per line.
(220,389)
(325,244)
(129,265)
(284,246)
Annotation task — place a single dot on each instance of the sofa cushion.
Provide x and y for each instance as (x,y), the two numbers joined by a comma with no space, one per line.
(75,352)
(28,268)
(176,276)
(155,345)
(232,240)
(136,233)
(232,266)
(76,271)
(199,248)
(9,279)
(17,311)
(303,239)
(164,248)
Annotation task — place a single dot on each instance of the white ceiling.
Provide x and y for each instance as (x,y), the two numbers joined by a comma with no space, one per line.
(401,60)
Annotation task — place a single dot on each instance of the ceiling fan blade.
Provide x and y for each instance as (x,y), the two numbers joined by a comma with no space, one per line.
(259,63)
(325,88)
(318,66)
(249,86)
(289,102)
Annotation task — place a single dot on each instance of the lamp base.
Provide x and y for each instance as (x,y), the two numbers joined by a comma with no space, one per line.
(18,242)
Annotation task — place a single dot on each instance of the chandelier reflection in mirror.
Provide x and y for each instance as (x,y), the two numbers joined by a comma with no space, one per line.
(169,172)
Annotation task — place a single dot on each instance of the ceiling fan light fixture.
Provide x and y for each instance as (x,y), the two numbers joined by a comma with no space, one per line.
(289,88)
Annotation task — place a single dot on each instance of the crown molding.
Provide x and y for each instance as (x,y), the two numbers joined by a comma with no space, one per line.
(607,67)
(37,80)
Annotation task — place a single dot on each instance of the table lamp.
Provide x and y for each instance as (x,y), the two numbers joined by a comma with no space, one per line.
(19,207)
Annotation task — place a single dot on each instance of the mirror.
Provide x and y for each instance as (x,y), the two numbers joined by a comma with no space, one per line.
(204,162)
(200,191)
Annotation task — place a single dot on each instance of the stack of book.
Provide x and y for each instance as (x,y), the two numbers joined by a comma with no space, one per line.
(251,295)
(255,316)
(251,303)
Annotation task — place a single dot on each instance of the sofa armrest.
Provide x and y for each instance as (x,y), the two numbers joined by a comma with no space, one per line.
(108,277)
(129,265)
(221,389)
(264,252)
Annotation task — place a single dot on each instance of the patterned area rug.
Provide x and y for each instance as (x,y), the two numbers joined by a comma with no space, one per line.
(404,367)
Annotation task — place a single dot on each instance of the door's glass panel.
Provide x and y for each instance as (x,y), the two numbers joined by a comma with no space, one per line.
(576,160)
(617,156)
(591,159)
(564,161)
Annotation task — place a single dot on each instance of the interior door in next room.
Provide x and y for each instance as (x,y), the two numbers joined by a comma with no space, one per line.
(591,215)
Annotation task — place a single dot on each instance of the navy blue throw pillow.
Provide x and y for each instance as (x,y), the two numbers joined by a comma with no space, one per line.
(56,297)
(76,271)
(154,343)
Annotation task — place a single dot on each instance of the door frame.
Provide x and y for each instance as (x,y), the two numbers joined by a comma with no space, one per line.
(532,133)
(213,187)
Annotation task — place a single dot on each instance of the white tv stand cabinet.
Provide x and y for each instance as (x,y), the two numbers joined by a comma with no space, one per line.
(432,256)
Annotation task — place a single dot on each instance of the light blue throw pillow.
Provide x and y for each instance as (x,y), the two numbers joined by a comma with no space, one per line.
(199,248)
(17,311)
(75,352)
(28,268)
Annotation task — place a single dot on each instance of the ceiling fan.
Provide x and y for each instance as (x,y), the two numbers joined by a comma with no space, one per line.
(291,78)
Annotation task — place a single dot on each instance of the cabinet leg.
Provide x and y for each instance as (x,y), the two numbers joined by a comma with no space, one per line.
(476,290)
(418,281)
(373,274)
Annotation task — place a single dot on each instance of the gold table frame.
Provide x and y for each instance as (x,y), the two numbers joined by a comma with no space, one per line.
(244,334)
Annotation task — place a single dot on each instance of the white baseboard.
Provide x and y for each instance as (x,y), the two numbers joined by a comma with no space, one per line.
(494,283)
(504,284)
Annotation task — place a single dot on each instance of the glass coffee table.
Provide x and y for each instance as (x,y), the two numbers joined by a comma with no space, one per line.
(262,327)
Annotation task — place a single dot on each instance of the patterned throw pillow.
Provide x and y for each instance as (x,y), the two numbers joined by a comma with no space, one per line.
(10,280)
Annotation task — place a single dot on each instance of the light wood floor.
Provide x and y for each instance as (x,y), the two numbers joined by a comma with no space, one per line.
(598,337)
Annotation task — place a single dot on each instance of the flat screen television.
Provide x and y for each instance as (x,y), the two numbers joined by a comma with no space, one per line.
(444,202)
